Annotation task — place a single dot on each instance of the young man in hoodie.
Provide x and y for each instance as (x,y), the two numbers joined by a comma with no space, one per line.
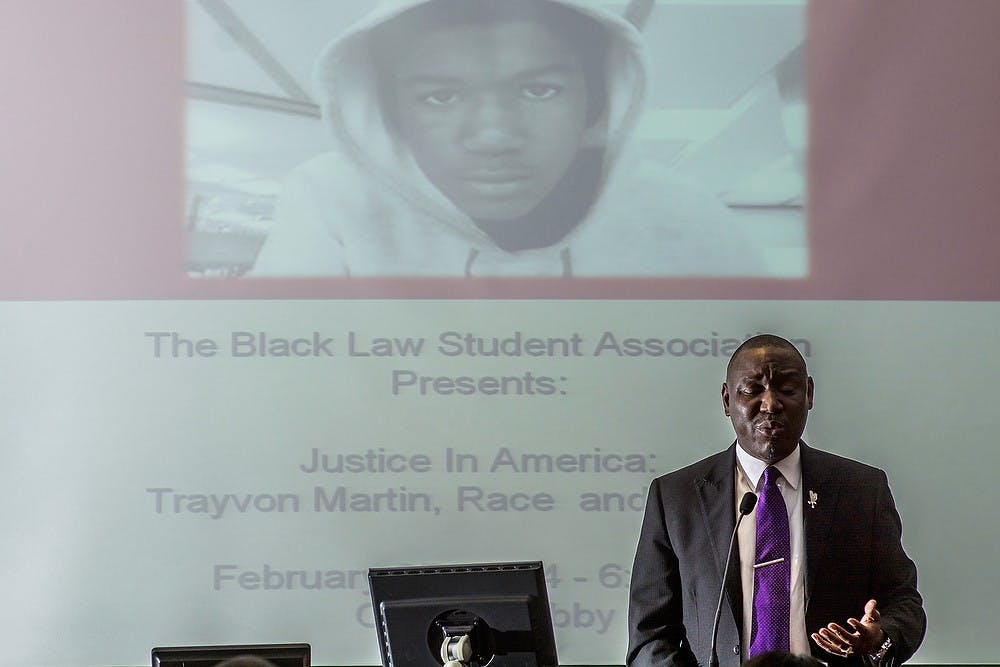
(485,138)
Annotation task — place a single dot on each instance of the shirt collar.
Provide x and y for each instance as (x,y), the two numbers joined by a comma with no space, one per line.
(790,467)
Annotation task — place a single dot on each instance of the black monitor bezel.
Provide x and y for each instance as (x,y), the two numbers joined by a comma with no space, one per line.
(402,584)
(171,656)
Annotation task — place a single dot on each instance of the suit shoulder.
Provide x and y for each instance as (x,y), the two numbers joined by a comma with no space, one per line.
(846,465)
(691,472)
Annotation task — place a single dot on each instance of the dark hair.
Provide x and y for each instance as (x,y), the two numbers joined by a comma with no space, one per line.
(246,661)
(588,38)
(782,659)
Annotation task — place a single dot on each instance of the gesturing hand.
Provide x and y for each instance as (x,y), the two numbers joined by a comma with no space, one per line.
(866,638)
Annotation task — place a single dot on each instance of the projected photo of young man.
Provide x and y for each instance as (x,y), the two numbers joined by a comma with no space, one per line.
(483,138)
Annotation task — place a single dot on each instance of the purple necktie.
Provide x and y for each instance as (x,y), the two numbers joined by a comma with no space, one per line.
(772,577)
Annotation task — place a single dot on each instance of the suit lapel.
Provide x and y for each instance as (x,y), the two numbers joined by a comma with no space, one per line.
(716,493)
(819,495)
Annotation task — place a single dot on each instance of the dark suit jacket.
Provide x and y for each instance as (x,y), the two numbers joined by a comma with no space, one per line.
(853,554)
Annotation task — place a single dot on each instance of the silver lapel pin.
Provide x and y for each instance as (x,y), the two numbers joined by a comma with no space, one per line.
(813,498)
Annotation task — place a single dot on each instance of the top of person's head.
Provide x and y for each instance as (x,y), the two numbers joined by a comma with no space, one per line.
(767,342)
(245,661)
(782,659)
(588,39)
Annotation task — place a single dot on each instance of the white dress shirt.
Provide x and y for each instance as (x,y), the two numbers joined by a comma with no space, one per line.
(749,474)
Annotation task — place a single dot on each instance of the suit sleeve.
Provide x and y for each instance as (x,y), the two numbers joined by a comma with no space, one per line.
(657,637)
(894,579)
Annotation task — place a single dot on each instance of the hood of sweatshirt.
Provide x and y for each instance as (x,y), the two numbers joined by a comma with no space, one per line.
(352,109)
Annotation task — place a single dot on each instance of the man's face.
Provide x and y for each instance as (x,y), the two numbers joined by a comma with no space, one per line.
(494,114)
(767,395)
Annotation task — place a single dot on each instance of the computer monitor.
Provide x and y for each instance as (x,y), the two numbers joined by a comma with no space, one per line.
(463,615)
(279,655)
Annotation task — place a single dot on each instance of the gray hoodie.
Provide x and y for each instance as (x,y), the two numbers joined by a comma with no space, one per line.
(367,209)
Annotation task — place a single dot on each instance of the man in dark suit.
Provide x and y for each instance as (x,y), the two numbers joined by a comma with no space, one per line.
(851,591)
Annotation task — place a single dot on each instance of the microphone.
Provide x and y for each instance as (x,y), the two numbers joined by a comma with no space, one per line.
(747,504)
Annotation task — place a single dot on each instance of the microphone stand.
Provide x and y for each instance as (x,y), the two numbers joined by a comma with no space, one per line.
(747,504)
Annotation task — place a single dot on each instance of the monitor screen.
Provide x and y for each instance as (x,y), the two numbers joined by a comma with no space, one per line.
(279,655)
(463,615)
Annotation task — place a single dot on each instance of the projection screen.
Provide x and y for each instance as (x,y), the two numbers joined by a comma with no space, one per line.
(201,446)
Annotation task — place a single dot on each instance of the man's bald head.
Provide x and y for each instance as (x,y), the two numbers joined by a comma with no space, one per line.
(765,341)
(245,661)
(767,395)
